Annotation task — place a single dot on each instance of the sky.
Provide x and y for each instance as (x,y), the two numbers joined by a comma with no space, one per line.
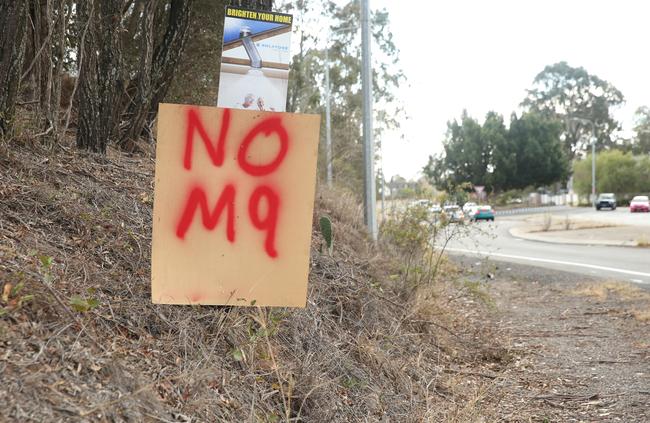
(482,55)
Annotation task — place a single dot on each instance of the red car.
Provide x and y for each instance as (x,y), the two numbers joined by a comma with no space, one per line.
(640,203)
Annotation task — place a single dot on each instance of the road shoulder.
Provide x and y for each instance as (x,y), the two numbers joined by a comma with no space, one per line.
(580,347)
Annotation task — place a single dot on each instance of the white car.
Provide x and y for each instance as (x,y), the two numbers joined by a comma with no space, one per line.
(470,208)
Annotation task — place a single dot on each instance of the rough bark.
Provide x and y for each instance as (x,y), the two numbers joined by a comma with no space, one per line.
(169,52)
(253,4)
(139,106)
(100,90)
(157,66)
(12,22)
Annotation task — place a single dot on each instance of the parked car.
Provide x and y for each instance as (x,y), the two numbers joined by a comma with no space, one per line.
(454,213)
(483,213)
(606,200)
(640,203)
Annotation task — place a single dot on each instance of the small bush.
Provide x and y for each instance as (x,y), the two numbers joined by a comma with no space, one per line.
(419,239)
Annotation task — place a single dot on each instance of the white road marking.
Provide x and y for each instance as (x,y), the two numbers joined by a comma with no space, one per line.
(541,260)
(637,280)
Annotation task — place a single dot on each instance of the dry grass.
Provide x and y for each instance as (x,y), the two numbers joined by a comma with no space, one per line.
(547,222)
(636,301)
(73,224)
(643,242)
(621,290)
(642,315)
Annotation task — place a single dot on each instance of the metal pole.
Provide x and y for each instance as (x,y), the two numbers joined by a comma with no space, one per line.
(593,166)
(369,151)
(383,194)
(593,155)
(328,122)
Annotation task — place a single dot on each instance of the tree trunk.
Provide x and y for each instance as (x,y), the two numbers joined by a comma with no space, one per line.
(139,106)
(157,67)
(12,22)
(100,90)
(169,53)
(253,4)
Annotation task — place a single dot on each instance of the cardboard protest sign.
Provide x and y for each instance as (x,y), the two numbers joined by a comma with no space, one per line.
(255,60)
(234,194)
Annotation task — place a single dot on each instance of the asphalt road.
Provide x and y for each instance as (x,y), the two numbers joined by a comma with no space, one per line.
(492,240)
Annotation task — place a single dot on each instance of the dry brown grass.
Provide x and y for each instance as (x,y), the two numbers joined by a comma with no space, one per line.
(622,290)
(548,223)
(634,300)
(359,351)
(643,242)
(642,315)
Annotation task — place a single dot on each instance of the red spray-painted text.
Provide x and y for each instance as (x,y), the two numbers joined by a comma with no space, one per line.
(197,198)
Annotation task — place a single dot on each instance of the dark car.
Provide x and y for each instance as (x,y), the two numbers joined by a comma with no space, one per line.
(606,201)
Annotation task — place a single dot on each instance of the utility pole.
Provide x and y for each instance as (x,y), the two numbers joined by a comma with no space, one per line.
(592,140)
(328,118)
(368,150)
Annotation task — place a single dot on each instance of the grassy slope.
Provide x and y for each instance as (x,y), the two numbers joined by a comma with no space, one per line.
(357,351)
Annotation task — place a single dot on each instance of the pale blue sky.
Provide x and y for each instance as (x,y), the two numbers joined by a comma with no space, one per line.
(483,55)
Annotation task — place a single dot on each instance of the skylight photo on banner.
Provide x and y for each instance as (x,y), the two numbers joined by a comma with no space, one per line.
(255,60)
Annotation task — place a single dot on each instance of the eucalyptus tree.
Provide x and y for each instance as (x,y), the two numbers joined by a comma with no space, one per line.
(561,91)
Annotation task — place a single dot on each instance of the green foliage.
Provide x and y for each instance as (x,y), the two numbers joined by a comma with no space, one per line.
(13,299)
(326,230)
(561,91)
(467,152)
(503,156)
(237,354)
(529,152)
(46,262)
(306,85)
(616,172)
(46,268)
(352,382)
(640,144)
(413,233)
(83,305)
(539,159)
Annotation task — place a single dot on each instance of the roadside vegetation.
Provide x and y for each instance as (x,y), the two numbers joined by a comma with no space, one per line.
(385,334)
(548,142)
(385,331)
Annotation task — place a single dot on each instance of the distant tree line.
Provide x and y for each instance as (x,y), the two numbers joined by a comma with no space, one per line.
(539,145)
(525,153)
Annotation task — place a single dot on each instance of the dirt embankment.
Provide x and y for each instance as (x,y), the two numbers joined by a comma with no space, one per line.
(81,341)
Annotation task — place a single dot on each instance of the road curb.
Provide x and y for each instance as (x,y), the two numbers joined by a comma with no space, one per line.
(530,210)
(522,233)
